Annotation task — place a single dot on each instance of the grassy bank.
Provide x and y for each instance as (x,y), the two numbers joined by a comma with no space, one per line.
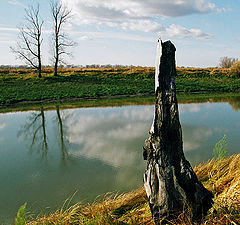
(219,176)
(231,98)
(23,86)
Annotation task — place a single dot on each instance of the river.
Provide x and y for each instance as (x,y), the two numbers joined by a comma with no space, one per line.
(48,155)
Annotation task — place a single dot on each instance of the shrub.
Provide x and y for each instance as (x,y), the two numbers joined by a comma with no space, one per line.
(226,62)
(235,69)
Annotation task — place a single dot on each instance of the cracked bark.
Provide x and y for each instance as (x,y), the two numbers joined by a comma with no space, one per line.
(169,179)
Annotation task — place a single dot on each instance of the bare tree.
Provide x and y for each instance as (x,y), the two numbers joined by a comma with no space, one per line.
(28,47)
(61,41)
(226,62)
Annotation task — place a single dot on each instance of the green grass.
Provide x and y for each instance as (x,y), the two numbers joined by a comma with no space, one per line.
(24,86)
(74,86)
(208,84)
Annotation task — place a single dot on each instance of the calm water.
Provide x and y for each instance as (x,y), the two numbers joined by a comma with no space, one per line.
(45,156)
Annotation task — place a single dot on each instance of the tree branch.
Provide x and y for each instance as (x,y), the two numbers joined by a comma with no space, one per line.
(28,47)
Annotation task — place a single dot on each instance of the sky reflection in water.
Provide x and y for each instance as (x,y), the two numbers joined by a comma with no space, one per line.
(45,156)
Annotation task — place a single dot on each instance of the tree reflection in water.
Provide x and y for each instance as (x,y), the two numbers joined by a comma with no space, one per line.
(60,119)
(235,103)
(35,129)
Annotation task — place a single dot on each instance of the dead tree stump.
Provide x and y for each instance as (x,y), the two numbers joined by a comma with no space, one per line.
(170,182)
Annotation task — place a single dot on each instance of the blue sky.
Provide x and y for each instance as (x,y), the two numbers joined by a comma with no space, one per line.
(126,31)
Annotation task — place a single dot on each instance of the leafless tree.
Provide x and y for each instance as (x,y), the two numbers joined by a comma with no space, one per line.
(28,47)
(61,41)
(226,62)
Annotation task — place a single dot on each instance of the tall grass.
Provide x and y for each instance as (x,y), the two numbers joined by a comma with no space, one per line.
(219,176)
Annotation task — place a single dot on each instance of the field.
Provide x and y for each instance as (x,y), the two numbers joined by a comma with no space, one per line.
(21,86)
(219,176)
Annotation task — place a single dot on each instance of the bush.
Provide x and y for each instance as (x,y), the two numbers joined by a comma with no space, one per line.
(226,62)
(235,69)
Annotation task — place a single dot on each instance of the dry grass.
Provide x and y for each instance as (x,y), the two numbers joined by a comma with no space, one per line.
(221,177)
(130,208)
(48,71)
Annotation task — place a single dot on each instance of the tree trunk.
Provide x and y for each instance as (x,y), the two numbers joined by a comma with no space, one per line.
(55,69)
(39,70)
(56,58)
(170,182)
(39,55)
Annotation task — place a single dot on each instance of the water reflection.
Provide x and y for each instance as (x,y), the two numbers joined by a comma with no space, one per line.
(35,130)
(195,136)
(110,136)
(60,120)
(2,125)
(233,101)
(94,150)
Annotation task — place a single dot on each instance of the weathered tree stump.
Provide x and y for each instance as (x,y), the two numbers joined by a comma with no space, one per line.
(170,182)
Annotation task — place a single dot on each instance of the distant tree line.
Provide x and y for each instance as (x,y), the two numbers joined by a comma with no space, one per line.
(29,44)
(69,66)
(108,66)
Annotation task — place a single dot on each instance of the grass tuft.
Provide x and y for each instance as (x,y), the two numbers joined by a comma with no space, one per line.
(219,176)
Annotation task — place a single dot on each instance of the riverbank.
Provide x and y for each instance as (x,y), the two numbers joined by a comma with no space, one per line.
(21,87)
(219,176)
(122,100)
